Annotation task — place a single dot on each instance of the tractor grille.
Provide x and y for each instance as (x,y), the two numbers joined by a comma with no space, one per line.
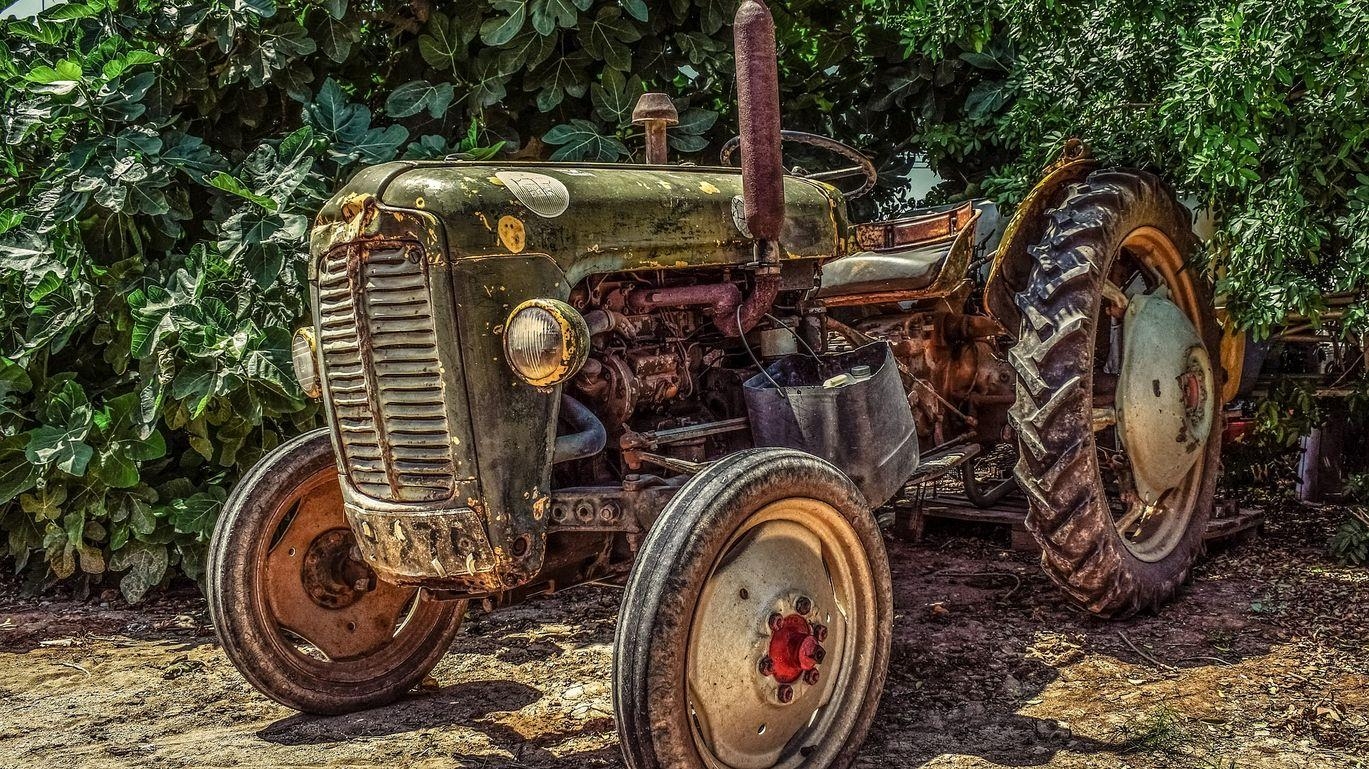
(380,362)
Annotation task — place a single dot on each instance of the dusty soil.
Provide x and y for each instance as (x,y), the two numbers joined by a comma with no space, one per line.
(1261,663)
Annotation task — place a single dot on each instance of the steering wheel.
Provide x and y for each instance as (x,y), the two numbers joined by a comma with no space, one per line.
(863,165)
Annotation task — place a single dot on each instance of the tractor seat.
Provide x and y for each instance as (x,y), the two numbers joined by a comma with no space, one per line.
(901,255)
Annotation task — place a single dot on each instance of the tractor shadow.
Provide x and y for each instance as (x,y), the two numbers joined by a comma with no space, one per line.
(471,706)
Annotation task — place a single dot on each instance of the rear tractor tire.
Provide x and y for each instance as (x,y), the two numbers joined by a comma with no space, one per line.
(756,624)
(1118,375)
(304,620)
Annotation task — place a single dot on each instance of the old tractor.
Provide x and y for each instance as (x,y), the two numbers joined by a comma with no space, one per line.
(704,380)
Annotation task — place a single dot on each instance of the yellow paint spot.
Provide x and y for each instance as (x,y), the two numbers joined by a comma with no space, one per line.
(419,202)
(495,180)
(484,220)
(511,234)
(708,188)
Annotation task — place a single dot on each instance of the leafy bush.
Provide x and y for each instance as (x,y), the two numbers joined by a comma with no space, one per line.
(162,163)
(1257,109)
(1350,543)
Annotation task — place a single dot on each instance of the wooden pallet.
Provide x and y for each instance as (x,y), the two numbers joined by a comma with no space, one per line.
(911,515)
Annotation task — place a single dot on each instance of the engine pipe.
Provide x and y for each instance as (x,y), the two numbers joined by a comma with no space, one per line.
(589,437)
(732,314)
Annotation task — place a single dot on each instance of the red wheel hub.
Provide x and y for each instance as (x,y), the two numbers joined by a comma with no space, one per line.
(795,648)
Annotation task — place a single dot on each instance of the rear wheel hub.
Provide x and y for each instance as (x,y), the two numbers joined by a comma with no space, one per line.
(1165,395)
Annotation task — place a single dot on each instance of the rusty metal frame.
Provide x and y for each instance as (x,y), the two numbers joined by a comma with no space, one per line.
(904,233)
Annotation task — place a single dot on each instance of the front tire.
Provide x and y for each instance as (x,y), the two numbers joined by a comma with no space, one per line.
(305,623)
(1117,374)
(756,624)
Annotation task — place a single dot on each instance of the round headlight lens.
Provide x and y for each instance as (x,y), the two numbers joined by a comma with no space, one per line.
(302,354)
(546,341)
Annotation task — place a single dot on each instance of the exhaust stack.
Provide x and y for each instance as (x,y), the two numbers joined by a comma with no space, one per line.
(758,107)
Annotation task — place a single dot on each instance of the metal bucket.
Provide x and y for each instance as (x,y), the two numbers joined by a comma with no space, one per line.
(862,424)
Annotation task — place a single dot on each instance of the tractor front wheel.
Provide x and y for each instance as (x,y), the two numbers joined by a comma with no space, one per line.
(295,608)
(756,624)
(1118,377)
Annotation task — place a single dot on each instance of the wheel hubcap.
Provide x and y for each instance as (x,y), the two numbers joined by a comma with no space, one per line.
(1165,395)
(795,649)
(773,638)
(1154,399)
(331,576)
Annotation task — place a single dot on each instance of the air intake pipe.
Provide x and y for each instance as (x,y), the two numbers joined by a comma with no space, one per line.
(758,107)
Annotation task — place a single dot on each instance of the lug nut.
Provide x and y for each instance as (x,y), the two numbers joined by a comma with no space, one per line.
(803,605)
(818,654)
(810,677)
(766,666)
(362,585)
(775,620)
(820,632)
(785,694)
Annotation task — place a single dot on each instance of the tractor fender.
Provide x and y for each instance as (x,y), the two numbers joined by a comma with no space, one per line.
(1011,262)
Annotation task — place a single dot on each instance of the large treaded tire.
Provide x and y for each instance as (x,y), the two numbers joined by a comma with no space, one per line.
(1058,468)
(677,558)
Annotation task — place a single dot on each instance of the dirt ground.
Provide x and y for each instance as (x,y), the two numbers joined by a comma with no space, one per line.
(1260,663)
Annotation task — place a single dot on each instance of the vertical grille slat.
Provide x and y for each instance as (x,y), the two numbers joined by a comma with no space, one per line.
(404,452)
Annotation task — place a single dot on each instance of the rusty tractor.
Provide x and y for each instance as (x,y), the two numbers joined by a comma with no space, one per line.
(705,380)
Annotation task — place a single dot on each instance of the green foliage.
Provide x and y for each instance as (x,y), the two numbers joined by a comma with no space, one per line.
(1257,109)
(161,166)
(1350,543)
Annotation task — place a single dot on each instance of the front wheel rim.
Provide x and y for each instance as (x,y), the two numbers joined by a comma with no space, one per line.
(782,640)
(317,616)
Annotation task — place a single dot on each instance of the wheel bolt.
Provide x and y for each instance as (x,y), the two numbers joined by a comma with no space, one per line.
(810,677)
(803,605)
(820,632)
(362,585)
(775,621)
(818,654)
(785,694)
(766,666)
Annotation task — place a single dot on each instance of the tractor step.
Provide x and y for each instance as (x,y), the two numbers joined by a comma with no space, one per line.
(939,464)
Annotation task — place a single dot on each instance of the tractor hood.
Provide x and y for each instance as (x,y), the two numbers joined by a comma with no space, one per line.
(593,218)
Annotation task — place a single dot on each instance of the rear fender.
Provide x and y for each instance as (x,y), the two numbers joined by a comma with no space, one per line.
(1012,263)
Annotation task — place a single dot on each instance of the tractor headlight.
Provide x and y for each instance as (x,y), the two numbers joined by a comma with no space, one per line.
(546,341)
(303,353)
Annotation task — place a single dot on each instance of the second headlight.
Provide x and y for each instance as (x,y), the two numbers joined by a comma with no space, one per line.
(546,341)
